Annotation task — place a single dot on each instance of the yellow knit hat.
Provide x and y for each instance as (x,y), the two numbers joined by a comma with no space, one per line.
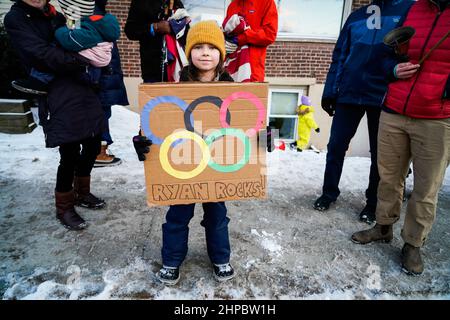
(205,32)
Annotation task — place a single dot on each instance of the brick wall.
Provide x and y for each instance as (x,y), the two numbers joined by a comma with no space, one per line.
(284,58)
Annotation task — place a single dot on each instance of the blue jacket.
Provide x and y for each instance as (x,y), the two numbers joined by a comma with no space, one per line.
(357,75)
(90,33)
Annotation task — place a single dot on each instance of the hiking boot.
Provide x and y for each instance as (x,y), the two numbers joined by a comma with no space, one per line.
(367,214)
(31,86)
(378,232)
(322,203)
(412,263)
(65,211)
(104,159)
(83,196)
(223,272)
(169,275)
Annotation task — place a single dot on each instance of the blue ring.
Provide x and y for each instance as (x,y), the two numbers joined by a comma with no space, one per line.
(145,115)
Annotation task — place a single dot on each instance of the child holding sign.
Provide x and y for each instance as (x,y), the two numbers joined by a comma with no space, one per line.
(205,49)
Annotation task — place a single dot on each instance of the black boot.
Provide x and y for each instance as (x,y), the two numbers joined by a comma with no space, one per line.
(65,211)
(367,214)
(322,203)
(83,195)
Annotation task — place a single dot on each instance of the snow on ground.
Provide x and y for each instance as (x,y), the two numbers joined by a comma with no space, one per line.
(281,247)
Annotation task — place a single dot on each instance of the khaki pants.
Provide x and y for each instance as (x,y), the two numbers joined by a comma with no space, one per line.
(426,143)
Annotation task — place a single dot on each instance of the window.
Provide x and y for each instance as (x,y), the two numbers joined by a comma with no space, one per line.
(282,113)
(310,18)
(305,19)
(207,9)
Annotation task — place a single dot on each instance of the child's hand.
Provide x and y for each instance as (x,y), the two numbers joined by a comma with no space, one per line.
(142,146)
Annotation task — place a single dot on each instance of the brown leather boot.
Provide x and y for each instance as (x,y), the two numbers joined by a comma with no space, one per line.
(83,195)
(65,211)
(378,232)
(412,263)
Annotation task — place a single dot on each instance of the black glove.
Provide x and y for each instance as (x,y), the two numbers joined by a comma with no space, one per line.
(142,146)
(318,130)
(328,105)
(270,139)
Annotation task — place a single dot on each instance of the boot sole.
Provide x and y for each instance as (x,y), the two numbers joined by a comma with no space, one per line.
(168,282)
(411,273)
(322,209)
(381,240)
(223,279)
(80,227)
(107,164)
(90,207)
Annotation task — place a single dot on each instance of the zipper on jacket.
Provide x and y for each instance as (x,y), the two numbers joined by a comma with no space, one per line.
(421,54)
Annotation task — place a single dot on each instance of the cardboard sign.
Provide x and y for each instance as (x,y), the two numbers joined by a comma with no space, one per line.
(207,141)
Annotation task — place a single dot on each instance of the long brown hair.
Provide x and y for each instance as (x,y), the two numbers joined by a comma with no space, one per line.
(193,71)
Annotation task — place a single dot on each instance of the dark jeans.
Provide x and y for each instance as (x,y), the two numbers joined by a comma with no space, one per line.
(76,163)
(344,126)
(176,231)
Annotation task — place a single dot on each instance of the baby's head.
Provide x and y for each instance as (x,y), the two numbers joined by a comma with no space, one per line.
(76,9)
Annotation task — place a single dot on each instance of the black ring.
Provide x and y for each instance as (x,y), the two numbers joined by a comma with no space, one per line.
(211,99)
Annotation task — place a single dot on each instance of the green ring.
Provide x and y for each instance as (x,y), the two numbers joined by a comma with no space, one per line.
(232,132)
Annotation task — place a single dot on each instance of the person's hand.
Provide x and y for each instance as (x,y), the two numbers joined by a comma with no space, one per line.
(328,105)
(162,27)
(317,130)
(405,70)
(142,146)
(230,47)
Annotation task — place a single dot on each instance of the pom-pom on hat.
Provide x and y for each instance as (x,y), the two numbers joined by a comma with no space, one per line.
(75,9)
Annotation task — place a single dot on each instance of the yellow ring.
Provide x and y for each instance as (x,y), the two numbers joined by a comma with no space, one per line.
(164,154)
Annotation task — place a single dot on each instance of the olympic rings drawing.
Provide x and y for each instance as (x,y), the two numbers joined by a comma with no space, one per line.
(224,113)
(204,144)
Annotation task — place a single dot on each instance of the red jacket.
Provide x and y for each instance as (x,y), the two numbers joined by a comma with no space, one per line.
(421,96)
(262,16)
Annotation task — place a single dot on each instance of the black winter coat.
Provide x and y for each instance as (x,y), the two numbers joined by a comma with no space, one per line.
(72,111)
(141,15)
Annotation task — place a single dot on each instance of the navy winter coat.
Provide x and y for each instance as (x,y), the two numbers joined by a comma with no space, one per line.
(356,75)
(73,111)
(112,87)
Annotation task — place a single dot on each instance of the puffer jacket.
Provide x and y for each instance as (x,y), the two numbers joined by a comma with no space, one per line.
(424,95)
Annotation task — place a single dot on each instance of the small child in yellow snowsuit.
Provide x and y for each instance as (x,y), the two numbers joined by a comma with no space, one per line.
(306,122)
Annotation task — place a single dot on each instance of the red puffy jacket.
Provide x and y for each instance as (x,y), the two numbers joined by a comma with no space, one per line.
(421,96)
(262,16)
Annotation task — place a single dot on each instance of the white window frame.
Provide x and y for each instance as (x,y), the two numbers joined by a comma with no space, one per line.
(346,10)
(300,91)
